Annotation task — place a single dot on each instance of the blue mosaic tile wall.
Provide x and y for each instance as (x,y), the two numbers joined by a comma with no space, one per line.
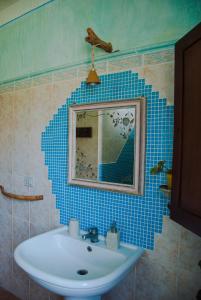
(120,171)
(137,217)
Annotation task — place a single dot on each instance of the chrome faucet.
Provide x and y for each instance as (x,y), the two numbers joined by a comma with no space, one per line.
(92,235)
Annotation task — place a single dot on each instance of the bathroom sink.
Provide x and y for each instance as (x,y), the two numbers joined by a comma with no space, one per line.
(74,268)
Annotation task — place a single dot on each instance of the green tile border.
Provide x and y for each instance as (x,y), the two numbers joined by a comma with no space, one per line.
(106,57)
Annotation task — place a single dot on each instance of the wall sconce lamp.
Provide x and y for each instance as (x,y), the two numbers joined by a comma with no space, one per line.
(95,41)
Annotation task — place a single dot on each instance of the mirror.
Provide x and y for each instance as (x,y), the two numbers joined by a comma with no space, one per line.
(106,145)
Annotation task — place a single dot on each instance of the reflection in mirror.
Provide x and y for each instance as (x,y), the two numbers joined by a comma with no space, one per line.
(87,145)
(105,143)
(105,152)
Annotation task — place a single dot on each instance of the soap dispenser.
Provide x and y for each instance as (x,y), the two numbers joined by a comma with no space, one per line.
(113,237)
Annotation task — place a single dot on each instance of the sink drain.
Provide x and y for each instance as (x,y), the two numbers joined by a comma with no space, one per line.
(82,272)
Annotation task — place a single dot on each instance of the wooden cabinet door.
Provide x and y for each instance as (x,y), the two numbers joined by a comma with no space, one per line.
(186,194)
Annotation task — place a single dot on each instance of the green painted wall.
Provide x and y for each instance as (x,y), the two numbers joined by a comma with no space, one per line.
(54,34)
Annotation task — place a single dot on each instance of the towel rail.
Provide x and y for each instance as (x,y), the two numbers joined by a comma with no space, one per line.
(20,197)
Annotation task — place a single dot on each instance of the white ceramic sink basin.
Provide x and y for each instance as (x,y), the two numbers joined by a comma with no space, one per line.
(59,262)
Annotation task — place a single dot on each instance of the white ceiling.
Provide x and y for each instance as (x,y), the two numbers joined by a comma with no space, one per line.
(11,9)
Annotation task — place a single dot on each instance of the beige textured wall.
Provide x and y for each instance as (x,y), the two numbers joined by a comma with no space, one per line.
(168,272)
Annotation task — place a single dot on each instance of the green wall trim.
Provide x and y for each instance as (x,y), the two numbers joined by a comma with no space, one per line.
(53,37)
(26,13)
(100,58)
